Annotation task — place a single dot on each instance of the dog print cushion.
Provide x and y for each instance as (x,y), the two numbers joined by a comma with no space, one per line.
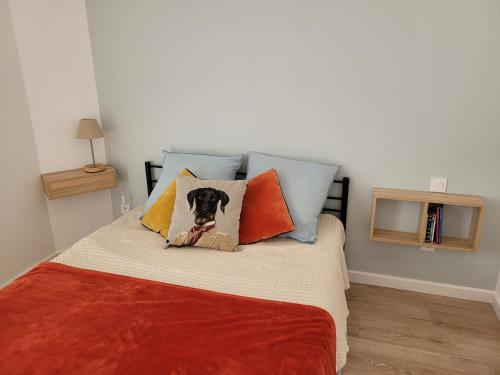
(206,213)
(264,213)
(159,216)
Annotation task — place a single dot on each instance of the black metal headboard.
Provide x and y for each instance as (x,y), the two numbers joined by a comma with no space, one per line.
(340,212)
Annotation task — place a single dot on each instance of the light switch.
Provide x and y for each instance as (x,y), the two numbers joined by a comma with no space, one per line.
(439,184)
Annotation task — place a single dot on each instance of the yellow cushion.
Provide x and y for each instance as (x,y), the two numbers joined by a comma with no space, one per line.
(159,216)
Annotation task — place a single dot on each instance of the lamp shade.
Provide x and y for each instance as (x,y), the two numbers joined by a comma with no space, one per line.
(88,128)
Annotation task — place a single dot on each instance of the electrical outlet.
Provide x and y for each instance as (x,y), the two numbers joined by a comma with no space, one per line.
(439,184)
(125,208)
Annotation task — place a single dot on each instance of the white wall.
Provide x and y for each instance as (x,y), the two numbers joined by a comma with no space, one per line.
(394,91)
(53,42)
(25,232)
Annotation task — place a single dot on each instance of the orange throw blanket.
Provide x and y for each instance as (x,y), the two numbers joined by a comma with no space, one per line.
(58,319)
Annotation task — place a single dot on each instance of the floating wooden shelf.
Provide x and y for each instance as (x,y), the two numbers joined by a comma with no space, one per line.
(76,181)
(470,243)
(395,236)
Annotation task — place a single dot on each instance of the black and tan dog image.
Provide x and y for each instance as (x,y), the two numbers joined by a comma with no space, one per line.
(205,233)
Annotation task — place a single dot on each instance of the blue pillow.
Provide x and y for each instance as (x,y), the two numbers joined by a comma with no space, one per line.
(205,167)
(305,186)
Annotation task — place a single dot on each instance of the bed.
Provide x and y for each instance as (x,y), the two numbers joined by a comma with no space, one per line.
(118,302)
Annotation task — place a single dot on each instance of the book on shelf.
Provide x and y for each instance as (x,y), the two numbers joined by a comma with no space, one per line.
(434,229)
(428,230)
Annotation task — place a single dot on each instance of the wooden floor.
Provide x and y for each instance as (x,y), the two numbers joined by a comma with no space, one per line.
(398,332)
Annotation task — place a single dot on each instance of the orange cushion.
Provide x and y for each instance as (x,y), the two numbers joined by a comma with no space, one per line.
(264,213)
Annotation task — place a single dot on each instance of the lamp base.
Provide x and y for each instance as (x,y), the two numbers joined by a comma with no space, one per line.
(94,168)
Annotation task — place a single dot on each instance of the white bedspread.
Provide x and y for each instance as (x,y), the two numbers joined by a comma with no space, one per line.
(278,269)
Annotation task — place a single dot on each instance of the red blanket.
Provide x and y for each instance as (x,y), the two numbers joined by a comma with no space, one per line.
(58,319)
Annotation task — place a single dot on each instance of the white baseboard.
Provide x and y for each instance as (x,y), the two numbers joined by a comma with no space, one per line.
(496,303)
(44,259)
(414,285)
(496,297)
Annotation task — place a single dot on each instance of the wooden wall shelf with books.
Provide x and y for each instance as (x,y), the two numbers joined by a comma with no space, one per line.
(469,243)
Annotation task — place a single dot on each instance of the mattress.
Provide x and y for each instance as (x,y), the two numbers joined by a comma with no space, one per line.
(278,269)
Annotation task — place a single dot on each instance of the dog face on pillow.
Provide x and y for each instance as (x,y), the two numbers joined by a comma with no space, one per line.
(206,213)
(206,201)
(205,232)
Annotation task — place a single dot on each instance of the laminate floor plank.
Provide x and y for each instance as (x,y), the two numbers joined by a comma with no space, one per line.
(396,332)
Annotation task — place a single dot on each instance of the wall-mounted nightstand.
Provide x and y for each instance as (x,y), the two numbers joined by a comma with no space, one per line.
(468,243)
(76,181)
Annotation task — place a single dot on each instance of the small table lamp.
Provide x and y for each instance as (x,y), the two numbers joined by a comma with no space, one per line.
(88,128)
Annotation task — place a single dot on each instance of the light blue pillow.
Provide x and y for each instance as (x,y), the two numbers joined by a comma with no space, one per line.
(205,167)
(305,186)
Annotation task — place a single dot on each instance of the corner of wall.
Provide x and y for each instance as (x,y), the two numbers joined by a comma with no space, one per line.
(40,49)
(496,298)
(24,193)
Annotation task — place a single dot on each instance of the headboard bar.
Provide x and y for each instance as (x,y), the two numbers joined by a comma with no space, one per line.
(344,195)
(343,201)
(149,178)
